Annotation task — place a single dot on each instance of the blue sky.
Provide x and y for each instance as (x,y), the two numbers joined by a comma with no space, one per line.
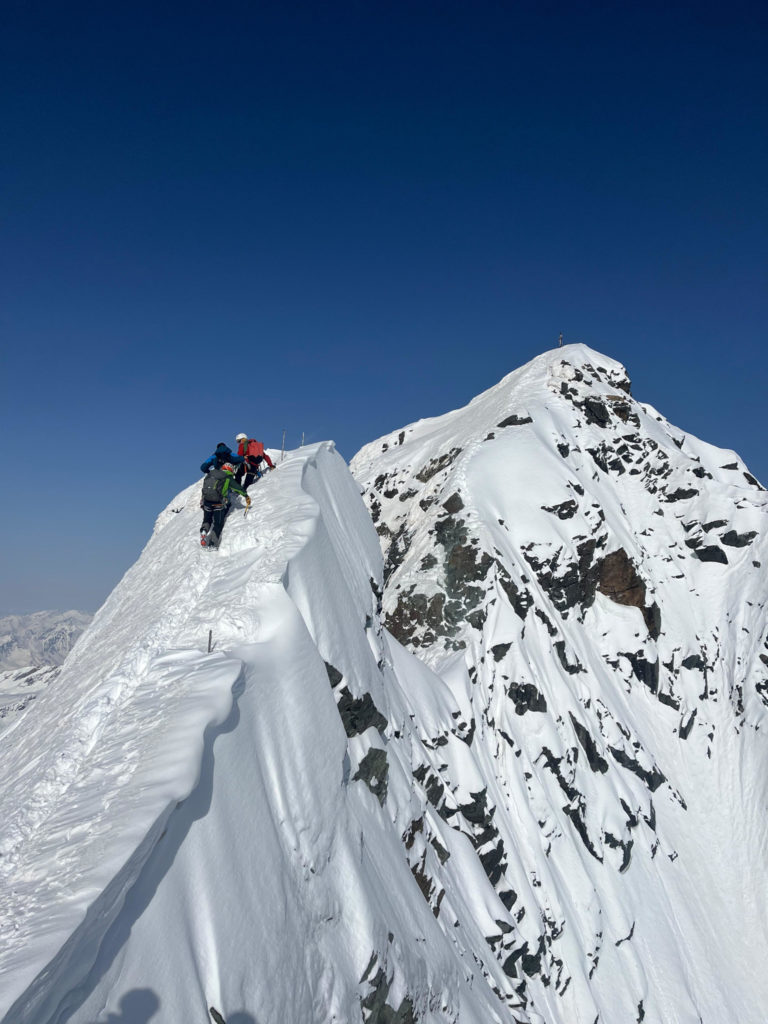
(339,218)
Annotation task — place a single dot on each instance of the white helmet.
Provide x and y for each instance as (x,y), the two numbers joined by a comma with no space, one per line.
(241,437)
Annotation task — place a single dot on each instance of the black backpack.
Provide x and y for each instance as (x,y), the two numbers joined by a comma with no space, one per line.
(212,488)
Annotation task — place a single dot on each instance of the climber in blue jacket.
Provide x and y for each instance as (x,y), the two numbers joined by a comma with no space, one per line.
(220,456)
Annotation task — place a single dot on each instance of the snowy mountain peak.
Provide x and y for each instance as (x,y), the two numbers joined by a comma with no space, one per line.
(588,580)
(502,763)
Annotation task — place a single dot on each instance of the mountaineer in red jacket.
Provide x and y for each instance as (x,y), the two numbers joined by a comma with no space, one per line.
(253,453)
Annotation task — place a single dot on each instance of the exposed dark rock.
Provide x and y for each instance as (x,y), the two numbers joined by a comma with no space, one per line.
(681,494)
(334,676)
(508,898)
(410,836)
(520,600)
(454,504)
(418,620)
(433,787)
(407,495)
(731,465)
(646,671)
(514,421)
(572,670)
(571,584)
(435,465)
(618,844)
(714,525)
(606,459)
(526,697)
(751,480)
(564,449)
(575,807)
(565,510)
(359,713)
(695,661)
(738,540)
(710,553)
(440,850)
(428,562)
(493,863)
(543,617)
(653,779)
(377,593)
(499,651)
(684,730)
(623,410)
(477,812)
(596,762)
(375,1008)
(619,581)
(374,772)
(397,550)
(669,700)
(596,412)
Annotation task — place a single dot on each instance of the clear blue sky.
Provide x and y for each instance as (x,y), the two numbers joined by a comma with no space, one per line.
(338,218)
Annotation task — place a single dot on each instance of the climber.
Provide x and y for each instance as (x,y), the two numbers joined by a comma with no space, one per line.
(217,486)
(253,453)
(222,454)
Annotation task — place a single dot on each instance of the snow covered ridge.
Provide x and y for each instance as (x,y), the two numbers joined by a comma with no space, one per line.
(245,835)
(42,638)
(548,805)
(589,581)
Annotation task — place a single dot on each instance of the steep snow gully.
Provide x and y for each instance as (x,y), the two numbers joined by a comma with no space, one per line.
(487,745)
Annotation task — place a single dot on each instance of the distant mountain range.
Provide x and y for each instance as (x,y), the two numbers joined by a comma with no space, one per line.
(42,638)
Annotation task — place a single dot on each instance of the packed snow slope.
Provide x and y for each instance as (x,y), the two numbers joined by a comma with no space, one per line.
(245,835)
(589,582)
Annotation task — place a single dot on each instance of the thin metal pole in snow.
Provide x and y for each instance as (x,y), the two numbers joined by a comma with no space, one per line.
(560,341)
(282,454)
(302,439)
(210,640)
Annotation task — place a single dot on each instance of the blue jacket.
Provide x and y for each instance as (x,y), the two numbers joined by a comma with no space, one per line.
(220,456)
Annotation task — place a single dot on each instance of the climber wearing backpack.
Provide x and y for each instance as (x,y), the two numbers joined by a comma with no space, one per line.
(217,486)
(222,454)
(253,453)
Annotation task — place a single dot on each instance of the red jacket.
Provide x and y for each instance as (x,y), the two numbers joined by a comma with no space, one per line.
(254,450)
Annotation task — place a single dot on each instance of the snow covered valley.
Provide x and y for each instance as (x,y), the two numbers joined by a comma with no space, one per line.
(486,745)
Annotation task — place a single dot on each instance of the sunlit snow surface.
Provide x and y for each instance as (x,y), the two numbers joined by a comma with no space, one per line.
(548,805)
(623,749)
(183,830)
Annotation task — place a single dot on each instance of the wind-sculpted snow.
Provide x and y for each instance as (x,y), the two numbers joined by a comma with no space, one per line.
(240,835)
(242,799)
(589,582)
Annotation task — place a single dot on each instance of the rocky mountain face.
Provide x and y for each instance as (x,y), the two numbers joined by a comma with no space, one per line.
(588,580)
(499,760)
(42,638)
